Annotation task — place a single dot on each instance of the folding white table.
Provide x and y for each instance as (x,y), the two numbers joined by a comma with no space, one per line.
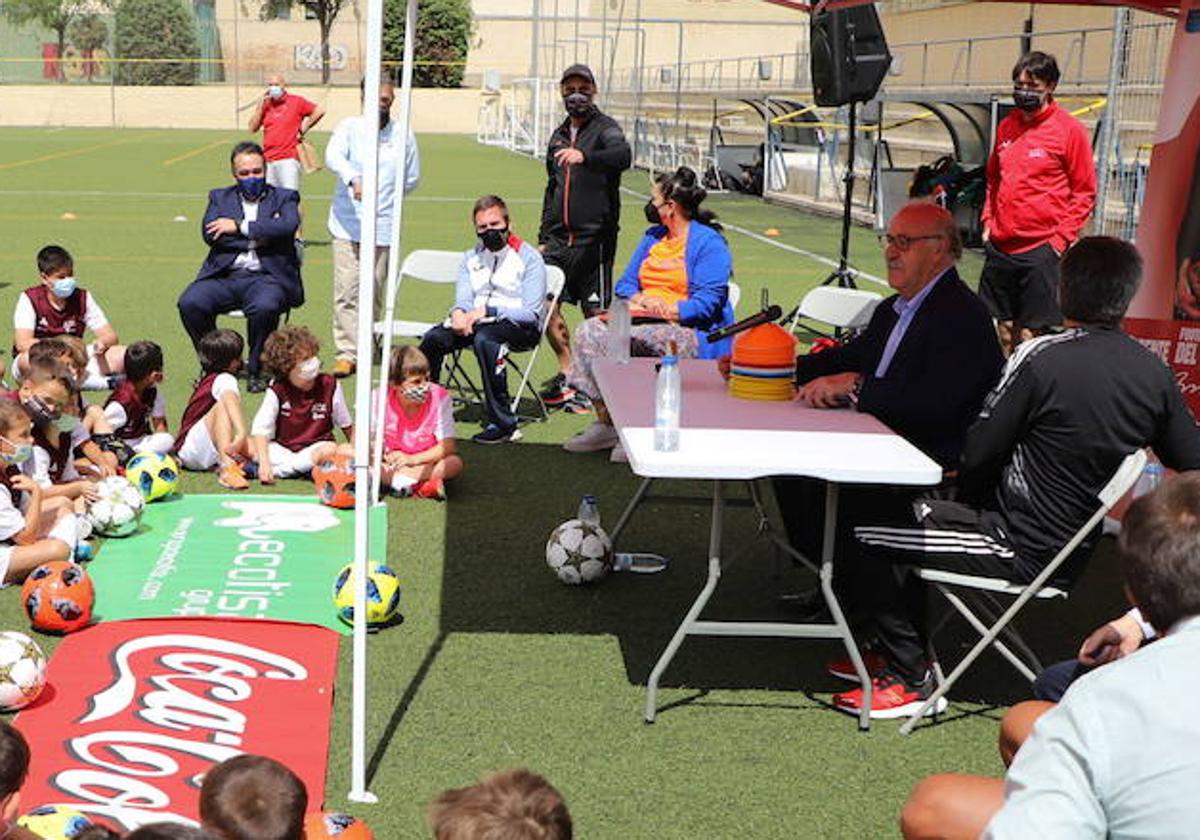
(727,439)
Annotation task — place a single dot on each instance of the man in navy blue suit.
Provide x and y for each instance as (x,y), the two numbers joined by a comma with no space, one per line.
(250,229)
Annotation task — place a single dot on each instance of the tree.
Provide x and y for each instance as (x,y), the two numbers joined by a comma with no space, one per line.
(325,11)
(88,34)
(444,29)
(55,15)
(155,29)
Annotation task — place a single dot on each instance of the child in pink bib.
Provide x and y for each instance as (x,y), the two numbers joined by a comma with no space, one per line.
(418,429)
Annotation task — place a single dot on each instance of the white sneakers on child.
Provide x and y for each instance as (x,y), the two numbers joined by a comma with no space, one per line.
(594,438)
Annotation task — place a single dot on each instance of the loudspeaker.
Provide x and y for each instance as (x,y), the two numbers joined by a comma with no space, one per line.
(849,55)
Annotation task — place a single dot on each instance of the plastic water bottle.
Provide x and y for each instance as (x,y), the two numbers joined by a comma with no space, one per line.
(589,511)
(644,564)
(619,327)
(667,399)
(1149,480)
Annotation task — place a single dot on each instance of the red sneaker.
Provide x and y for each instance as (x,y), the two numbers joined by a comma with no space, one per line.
(891,698)
(433,488)
(843,669)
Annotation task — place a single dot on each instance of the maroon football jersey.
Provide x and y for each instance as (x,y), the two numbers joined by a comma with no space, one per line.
(59,452)
(138,408)
(200,404)
(6,476)
(50,321)
(305,417)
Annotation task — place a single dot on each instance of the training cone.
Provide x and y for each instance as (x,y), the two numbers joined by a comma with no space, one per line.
(180,219)
(771,232)
(68,216)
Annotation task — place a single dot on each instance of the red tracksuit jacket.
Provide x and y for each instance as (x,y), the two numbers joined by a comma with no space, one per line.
(1041,182)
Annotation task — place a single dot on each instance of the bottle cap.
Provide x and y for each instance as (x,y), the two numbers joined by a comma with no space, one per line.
(669,360)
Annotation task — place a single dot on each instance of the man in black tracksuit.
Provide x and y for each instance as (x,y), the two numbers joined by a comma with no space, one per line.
(1068,408)
(580,212)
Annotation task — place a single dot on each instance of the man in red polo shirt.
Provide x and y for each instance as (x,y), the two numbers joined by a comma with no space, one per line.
(284,118)
(1041,188)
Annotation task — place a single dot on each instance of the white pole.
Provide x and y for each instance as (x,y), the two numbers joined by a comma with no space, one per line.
(393,272)
(362,405)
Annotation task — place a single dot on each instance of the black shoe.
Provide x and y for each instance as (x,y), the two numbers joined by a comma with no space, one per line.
(557,391)
(808,607)
(496,434)
(256,383)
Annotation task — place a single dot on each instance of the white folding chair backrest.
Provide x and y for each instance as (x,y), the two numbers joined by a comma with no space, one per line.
(735,295)
(1122,482)
(843,308)
(555,281)
(432,266)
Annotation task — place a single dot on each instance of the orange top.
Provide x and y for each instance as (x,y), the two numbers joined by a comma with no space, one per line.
(663,274)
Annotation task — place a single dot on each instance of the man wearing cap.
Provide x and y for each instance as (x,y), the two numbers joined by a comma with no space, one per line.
(580,213)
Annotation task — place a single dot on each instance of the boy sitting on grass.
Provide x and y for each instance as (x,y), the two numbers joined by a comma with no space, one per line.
(49,396)
(136,410)
(293,429)
(57,306)
(34,529)
(212,432)
(98,455)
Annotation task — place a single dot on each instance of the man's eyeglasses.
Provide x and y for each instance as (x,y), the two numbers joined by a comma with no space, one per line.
(902,242)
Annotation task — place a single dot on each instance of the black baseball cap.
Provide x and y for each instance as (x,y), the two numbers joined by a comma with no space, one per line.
(580,70)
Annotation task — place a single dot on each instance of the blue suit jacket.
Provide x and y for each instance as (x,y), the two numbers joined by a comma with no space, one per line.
(274,233)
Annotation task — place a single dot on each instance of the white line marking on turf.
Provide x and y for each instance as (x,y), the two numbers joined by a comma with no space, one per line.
(200,194)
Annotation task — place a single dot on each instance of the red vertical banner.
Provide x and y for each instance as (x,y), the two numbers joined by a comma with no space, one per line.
(1165,315)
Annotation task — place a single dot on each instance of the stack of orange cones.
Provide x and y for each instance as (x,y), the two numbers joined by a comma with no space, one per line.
(764,364)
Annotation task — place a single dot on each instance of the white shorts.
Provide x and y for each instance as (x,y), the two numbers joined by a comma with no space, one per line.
(284,173)
(198,452)
(286,464)
(5,559)
(160,442)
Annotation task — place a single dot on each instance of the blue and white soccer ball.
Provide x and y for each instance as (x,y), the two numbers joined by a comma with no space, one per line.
(579,552)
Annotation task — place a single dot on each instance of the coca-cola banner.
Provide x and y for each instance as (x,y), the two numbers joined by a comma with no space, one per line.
(136,712)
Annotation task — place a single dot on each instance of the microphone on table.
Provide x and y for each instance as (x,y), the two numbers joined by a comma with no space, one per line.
(766,316)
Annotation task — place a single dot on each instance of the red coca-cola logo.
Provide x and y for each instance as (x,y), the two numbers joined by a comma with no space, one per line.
(138,711)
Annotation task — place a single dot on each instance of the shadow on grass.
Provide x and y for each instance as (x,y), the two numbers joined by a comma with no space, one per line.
(495,580)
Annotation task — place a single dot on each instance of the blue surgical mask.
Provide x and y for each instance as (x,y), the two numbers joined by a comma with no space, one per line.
(64,287)
(275,91)
(252,188)
(21,452)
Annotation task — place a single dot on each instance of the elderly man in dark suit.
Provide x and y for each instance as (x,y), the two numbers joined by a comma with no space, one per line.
(252,265)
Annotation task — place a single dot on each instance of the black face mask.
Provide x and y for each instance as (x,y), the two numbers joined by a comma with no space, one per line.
(1027,100)
(652,214)
(578,104)
(494,239)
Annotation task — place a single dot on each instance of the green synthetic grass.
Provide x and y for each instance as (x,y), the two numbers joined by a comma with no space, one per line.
(496,664)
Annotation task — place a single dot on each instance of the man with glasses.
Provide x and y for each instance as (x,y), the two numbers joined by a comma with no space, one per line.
(923,366)
(580,216)
(1041,188)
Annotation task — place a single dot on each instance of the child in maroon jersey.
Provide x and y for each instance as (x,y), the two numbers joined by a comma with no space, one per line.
(57,306)
(136,410)
(418,429)
(293,429)
(95,455)
(34,529)
(49,396)
(212,432)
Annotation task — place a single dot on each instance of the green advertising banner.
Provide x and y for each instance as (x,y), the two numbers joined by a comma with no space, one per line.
(271,557)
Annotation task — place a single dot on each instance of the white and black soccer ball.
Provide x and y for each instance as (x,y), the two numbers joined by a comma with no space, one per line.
(22,670)
(118,510)
(579,552)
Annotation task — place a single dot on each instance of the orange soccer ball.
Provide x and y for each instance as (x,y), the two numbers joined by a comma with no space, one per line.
(58,597)
(334,480)
(331,825)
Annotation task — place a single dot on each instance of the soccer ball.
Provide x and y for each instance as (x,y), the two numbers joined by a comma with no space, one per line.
(58,597)
(383,594)
(334,480)
(55,822)
(118,510)
(22,670)
(331,825)
(154,474)
(579,552)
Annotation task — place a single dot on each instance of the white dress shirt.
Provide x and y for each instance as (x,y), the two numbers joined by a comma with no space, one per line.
(345,157)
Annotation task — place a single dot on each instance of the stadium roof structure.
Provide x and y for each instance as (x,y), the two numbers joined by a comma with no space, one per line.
(1163,7)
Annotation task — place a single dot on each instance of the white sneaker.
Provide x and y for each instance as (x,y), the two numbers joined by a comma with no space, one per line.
(619,456)
(594,438)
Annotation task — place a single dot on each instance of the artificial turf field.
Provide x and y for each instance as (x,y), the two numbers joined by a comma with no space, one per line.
(498,665)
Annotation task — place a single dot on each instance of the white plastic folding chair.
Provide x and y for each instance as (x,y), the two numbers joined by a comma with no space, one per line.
(555,281)
(440,268)
(982,593)
(842,309)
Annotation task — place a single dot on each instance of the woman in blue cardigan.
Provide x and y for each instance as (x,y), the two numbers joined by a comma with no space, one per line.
(677,286)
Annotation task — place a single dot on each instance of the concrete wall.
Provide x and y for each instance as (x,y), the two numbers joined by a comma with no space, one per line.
(434,110)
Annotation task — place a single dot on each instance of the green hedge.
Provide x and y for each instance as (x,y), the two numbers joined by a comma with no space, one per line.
(155,29)
(444,29)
